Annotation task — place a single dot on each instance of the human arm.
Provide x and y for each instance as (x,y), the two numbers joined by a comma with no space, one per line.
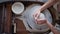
(53,29)
(44,6)
(48,4)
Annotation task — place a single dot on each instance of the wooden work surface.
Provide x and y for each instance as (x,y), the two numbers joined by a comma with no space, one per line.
(20,28)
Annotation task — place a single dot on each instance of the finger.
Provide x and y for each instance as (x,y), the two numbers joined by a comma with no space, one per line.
(35,19)
(37,15)
(41,20)
(36,22)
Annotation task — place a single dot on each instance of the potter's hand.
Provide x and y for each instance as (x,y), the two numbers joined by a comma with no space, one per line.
(36,14)
(41,21)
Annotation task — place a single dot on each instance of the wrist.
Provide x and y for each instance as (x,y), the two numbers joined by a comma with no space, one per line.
(41,8)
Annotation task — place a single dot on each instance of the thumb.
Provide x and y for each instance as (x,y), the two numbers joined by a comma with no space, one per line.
(37,16)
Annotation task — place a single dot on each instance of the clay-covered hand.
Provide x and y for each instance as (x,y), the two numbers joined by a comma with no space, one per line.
(37,13)
(41,21)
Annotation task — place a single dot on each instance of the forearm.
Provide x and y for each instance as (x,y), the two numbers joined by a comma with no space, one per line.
(53,29)
(47,4)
